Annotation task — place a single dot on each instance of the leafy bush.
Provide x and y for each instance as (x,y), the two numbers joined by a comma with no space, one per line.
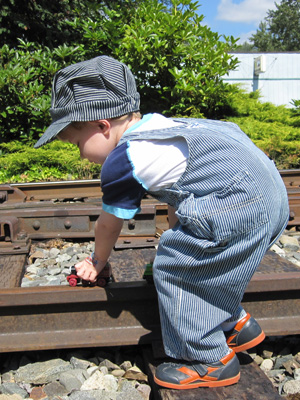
(178,61)
(274,129)
(26,75)
(178,64)
(271,128)
(56,161)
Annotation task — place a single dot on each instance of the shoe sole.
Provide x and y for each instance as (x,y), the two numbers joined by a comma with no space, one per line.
(226,382)
(249,345)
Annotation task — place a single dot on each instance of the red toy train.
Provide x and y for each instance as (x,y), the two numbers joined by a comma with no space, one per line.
(102,279)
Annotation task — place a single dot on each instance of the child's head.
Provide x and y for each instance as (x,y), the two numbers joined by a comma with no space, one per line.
(96,139)
(97,89)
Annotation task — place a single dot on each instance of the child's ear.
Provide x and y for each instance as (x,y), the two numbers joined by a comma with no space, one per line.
(103,124)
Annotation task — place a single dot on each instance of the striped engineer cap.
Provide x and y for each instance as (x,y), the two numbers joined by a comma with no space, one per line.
(99,88)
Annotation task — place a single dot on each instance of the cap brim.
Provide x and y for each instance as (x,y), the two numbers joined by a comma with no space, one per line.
(51,133)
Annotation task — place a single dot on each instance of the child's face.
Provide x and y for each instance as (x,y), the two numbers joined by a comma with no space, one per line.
(94,141)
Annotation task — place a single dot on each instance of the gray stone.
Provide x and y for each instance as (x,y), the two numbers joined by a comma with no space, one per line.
(74,259)
(297,374)
(277,375)
(42,372)
(79,363)
(118,373)
(291,387)
(278,250)
(266,365)
(48,263)
(109,365)
(37,254)
(32,283)
(135,373)
(32,269)
(71,251)
(13,388)
(8,377)
(62,258)
(54,271)
(128,392)
(267,353)
(80,396)
(72,380)
(102,395)
(55,389)
(58,398)
(52,282)
(42,272)
(10,397)
(103,369)
(53,253)
(144,390)
(289,243)
(83,256)
(94,382)
(297,256)
(110,383)
(126,365)
(281,360)
(258,359)
(92,369)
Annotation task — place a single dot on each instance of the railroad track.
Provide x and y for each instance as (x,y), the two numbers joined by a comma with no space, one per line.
(42,211)
(126,311)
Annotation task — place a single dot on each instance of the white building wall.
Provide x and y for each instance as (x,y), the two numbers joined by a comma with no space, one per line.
(278,82)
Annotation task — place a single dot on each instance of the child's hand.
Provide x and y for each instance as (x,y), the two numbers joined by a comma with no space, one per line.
(87,270)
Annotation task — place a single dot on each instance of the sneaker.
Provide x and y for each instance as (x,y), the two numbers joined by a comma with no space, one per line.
(191,375)
(246,334)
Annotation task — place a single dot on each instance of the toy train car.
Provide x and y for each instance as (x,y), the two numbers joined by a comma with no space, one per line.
(102,279)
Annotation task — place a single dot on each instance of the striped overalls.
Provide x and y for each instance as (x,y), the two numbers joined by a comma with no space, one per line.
(231,205)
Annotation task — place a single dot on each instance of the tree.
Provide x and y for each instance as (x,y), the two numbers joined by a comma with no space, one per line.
(40,21)
(47,22)
(178,62)
(280,30)
(245,48)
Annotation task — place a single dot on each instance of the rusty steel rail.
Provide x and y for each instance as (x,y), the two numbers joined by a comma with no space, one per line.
(64,210)
(70,209)
(126,313)
(61,190)
(85,190)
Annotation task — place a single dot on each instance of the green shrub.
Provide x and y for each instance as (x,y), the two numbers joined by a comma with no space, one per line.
(178,61)
(56,161)
(274,129)
(26,75)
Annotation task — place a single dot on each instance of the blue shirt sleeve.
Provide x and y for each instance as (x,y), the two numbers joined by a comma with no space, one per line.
(122,193)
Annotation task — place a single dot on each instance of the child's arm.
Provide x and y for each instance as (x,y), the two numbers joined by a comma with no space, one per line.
(107,230)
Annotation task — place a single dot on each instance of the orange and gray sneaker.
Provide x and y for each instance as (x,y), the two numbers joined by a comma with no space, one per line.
(246,334)
(193,374)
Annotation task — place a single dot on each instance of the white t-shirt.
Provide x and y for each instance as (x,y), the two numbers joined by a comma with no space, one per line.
(138,166)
